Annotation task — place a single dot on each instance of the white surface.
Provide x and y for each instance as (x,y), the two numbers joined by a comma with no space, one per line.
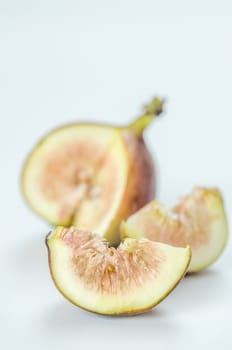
(101,60)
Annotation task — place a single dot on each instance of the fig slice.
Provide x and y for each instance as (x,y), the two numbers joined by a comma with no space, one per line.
(199,220)
(91,176)
(129,279)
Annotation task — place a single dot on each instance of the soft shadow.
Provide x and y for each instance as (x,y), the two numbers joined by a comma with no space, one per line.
(199,289)
(205,273)
(63,317)
(64,321)
(63,313)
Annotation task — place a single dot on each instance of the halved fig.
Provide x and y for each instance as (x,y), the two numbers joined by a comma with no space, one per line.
(129,279)
(199,220)
(91,176)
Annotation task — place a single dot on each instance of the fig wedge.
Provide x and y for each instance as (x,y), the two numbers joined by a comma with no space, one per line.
(199,220)
(91,176)
(126,280)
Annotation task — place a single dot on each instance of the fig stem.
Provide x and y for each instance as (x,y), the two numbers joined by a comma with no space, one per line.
(151,110)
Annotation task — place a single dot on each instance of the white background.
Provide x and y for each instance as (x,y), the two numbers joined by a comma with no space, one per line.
(62,61)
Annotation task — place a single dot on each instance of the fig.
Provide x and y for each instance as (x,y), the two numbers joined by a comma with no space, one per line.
(129,279)
(91,176)
(199,220)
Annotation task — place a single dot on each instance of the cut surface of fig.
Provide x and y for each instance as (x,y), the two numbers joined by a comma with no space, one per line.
(129,279)
(76,169)
(199,220)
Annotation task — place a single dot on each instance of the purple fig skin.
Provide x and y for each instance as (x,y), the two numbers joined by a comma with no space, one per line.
(141,184)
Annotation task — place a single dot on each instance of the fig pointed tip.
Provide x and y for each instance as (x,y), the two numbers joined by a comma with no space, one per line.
(151,110)
(155,107)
